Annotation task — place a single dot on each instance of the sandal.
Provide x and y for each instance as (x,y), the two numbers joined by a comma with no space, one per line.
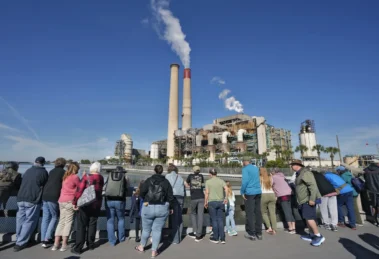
(138,250)
(154,256)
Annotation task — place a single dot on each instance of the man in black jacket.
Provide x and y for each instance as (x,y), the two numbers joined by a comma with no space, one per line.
(29,201)
(371,175)
(50,206)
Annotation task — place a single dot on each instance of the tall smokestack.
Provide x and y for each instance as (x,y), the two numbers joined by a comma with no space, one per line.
(187,102)
(173,110)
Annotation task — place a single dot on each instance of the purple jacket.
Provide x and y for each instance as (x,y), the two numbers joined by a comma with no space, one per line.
(280,186)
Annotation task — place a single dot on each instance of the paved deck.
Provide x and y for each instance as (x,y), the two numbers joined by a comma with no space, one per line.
(344,244)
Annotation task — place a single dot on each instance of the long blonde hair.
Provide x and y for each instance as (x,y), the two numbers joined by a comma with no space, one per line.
(266,179)
(72,169)
(229,191)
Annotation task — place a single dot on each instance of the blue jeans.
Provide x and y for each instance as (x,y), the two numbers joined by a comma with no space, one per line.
(26,221)
(216,213)
(177,220)
(346,199)
(49,219)
(230,223)
(153,220)
(115,209)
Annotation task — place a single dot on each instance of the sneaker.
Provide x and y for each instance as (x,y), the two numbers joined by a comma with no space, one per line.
(359,225)
(138,239)
(75,251)
(334,228)
(327,226)
(259,237)
(198,239)
(54,248)
(44,244)
(17,248)
(252,238)
(214,240)
(307,237)
(223,242)
(234,233)
(192,235)
(318,240)
(63,249)
(341,225)
(292,232)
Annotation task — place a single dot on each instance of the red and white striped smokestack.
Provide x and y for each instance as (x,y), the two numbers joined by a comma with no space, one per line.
(187,101)
(173,110)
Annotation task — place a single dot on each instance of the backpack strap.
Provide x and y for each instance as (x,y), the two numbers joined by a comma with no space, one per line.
(339,189)
(177,175)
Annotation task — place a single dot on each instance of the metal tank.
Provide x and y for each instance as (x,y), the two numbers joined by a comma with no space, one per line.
(154,151)
(128,151)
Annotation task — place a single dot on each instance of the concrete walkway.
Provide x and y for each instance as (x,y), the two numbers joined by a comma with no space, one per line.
(344,244)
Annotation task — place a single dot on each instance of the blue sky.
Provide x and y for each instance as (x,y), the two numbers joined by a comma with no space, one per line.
(75,75)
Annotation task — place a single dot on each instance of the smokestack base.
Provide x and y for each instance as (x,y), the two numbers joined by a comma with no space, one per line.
(187,73)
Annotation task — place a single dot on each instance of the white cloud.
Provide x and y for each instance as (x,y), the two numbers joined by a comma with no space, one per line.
(218,80)
(6,127)
(223,94)
(20,117)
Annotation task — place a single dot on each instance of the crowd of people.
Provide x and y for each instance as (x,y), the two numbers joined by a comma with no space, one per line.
(65,198)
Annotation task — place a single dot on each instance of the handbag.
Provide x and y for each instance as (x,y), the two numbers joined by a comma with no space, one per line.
(88,196)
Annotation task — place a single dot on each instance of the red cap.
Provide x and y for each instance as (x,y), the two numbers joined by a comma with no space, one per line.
(187,73)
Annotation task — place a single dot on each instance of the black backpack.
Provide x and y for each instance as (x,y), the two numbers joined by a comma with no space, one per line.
(324,186)
(156,192)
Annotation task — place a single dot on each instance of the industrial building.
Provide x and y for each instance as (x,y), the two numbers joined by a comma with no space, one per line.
(232,134)
(307,137)
(124,147)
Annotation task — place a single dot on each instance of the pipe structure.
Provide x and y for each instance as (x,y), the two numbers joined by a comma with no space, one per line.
(173,111)
(240,134)
(187,101)
(225,136)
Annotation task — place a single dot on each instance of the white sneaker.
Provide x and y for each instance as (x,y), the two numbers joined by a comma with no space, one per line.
(63,248)
(55,248)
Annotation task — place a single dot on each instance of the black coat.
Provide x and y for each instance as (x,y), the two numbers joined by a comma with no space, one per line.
(371,176)
(166,195)
(53,187)
(33,181)
(324,186)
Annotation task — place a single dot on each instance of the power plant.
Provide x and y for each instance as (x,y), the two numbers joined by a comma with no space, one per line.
(232,134)
(307,137)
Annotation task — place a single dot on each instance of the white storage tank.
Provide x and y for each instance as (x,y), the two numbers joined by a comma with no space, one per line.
(154,151)
(128,151)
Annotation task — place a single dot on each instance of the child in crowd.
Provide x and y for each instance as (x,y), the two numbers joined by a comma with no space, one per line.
(135,211)
(229,209)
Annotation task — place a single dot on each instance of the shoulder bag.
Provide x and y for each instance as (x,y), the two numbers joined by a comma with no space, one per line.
(88,195)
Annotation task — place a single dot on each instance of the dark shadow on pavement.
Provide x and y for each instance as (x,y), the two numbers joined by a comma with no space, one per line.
(5,246)
(72,257)
(357,250)
(370,239)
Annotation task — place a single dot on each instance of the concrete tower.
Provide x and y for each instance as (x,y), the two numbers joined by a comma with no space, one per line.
(187,106)
(173,110)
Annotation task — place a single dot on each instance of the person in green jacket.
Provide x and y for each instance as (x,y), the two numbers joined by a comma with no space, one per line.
(307,195)
(347,176)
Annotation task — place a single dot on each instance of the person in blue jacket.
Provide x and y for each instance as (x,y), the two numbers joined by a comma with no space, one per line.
(345,197)
(348,176)
(251,193)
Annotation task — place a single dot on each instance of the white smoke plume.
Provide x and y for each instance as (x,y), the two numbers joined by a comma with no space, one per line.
(171,31)
(223,94)
(230,103)
(233,105)
(217,80)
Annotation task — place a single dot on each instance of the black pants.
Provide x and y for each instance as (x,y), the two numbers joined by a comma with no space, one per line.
(138,226)
(253,214)
(86,222)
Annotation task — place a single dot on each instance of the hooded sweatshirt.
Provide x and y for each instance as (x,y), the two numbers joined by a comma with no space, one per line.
(53,186)
(347,177)
(251,183)
(177,183)
(371,176)
(280,186)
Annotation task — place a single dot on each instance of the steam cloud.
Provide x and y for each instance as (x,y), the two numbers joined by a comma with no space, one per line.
(230,103)
(218,80)
(171,31)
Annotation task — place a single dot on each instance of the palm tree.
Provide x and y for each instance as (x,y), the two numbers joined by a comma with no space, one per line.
(278,150)
(319,148)
(287,155)
(302,149)
(332,151)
